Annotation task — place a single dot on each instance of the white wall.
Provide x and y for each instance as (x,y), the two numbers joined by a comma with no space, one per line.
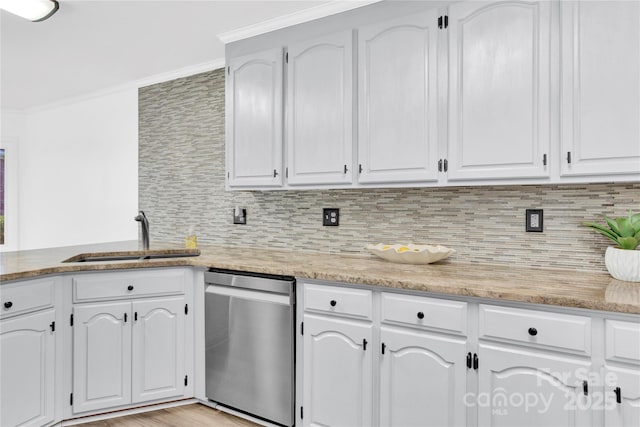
(78,174)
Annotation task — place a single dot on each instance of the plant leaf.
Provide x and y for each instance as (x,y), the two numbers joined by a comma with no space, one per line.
(613,225)
(602,230)
(625,227)
(628,243)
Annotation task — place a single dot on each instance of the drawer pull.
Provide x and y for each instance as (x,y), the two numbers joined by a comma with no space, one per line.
(533,332)
(618,396)
(130,287)
(8,304)
(333,303)
(420,315)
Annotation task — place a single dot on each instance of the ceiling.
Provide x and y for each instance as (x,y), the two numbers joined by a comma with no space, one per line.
(89,46)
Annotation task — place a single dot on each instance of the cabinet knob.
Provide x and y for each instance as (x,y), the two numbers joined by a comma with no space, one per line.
(333,303)
(533,332)
(130,287)
(8,304)
(420,315)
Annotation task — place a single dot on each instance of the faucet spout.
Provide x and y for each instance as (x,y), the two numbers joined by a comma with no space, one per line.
(144,222)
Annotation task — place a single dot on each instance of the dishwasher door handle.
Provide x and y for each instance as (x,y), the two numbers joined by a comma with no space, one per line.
(248,294)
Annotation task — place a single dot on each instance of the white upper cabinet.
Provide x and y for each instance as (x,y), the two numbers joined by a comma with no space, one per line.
(254,120)
(397,100)
(320,110)
(499,90)
(600,88)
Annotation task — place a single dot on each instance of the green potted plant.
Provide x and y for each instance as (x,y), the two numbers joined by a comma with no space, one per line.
(622,260)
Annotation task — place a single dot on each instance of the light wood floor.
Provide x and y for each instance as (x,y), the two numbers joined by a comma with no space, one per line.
(195,415)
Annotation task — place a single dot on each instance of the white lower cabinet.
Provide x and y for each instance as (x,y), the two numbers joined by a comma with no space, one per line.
(27,363)
(422,379)
(101,356)
(337,372)
(622,374)
(158,349)
(127,352)
(444,362)
(524,387)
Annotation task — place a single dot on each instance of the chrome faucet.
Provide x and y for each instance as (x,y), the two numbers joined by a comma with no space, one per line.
(144,222)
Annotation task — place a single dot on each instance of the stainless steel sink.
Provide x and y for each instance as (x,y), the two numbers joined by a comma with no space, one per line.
(133,255)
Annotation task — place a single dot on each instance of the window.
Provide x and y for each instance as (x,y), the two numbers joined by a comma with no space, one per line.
(9,194)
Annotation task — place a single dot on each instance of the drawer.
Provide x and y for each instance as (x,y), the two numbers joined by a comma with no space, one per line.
(449,316)
(622,341)
(23,297)
(334,300)
(116,285)
(536,328)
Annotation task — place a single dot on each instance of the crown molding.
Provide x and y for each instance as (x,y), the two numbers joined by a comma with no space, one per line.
(306,15)
(136,84)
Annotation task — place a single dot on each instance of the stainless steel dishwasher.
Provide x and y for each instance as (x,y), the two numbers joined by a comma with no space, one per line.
(250,343)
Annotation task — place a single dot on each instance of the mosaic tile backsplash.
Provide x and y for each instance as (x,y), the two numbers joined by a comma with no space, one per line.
(181,185)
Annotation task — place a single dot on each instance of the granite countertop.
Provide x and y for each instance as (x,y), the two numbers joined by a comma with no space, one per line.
(568,288)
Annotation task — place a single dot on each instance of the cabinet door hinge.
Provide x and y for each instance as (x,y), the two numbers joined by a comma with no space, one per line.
(443,21)
(475,361)
(301,328)
(301,412)
(186,309)
(71,320)
(71,399)
(186,380)
(53,326)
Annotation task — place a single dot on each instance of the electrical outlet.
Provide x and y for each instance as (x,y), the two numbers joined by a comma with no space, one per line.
(534,220)
(239,216)
(330,217)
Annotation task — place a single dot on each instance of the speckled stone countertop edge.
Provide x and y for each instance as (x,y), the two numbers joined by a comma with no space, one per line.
(565,288)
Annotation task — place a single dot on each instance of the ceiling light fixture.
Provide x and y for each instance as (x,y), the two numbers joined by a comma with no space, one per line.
(33,10)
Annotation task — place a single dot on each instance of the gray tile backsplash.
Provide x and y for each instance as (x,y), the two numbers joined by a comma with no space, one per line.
(181,150)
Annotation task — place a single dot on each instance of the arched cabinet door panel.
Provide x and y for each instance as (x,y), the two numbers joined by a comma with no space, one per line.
(320,110)
(499,75)
(254,120)
(525,387)
(27,362)
(101,356)
(422,379)
(337,372)
(398,100)
(600,88)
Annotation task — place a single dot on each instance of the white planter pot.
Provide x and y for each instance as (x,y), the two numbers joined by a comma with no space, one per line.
(623,264)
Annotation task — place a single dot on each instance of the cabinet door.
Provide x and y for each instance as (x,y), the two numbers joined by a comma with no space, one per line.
(27,357)
(320,110)
(499,90)
(254,120)
(600,87)
(101,356)
(337,372)
(627,412)
(529,388)
(423,379)
(397,74)
(158,349)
